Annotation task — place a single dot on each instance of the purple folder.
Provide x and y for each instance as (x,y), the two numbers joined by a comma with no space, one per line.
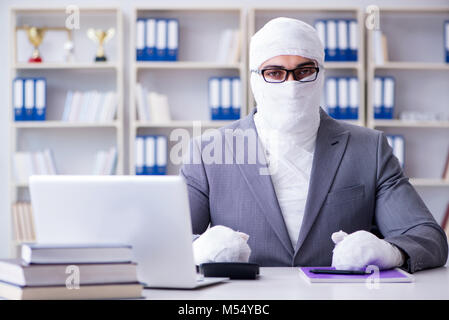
(391,275)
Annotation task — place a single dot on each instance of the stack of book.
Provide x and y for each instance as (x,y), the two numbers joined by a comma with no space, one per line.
(152,106)
(29,163)
(229,47)
(70,272)
(105,162)
(90,106)
(380,50)
(397,143)
(23,222)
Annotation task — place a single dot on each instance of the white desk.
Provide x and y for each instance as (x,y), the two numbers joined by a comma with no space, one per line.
(287,284)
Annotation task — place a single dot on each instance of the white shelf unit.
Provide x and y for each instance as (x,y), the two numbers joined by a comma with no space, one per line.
(67,140)
(185,82)
(415,46)
(258,16)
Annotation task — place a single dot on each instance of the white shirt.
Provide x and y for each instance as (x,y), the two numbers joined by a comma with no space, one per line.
(290,166)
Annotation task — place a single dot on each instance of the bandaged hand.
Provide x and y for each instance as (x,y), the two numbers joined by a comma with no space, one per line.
(221,244)
(359,249)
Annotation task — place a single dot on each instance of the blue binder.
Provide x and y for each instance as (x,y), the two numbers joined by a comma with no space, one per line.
(161,39)
(214,97)
(160,155)
(331,40)
(40,99)
(342,40)
(352,40)
(172,39)
(353,98)
(150,40)
(150,155)
(29,99)
(331,107)
(235,98)
(18,99)
(378,98)
(446,39)
(140,39)
(225,102)
(140,155)
(388,98)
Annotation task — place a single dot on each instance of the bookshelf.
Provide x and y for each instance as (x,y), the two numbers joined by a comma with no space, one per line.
(197,62)
(415,46)
(66,139)
(258,16)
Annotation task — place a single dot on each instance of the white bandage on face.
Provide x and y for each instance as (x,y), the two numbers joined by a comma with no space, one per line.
(290,107)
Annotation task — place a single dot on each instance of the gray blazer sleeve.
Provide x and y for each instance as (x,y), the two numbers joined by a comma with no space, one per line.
(403,218)
(198,188)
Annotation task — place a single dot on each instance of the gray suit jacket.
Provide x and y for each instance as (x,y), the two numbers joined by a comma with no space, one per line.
(356,184)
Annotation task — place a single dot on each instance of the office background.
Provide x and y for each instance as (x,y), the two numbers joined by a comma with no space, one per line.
(436,197)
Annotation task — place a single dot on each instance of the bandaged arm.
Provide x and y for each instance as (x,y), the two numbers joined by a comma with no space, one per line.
(403,218)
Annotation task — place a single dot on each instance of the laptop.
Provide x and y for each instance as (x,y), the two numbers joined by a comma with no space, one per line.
(151,213)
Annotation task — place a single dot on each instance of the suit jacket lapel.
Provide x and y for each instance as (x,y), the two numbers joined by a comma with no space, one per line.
(261,187)
(329,149)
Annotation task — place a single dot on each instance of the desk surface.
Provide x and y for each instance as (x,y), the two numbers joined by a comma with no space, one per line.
(287,284)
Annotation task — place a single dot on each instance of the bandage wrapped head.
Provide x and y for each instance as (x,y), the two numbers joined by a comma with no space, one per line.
(290,106)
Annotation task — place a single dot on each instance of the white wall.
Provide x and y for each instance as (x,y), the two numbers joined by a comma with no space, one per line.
(127,7)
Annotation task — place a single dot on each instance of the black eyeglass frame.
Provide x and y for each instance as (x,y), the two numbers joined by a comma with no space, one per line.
(261,72)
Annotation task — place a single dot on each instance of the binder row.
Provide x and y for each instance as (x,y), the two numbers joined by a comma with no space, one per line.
(157,39)
(225,98)
(383,97)
(151,155)
(29,99)
(342,97)
(397,142)
(446,39)
(339,37)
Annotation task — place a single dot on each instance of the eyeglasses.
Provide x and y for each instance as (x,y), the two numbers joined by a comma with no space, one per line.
(278,75)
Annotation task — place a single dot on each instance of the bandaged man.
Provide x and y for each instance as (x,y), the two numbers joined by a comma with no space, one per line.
(324,192)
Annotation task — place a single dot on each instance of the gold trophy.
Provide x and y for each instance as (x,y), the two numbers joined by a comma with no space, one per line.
(35,35)
(100,37)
